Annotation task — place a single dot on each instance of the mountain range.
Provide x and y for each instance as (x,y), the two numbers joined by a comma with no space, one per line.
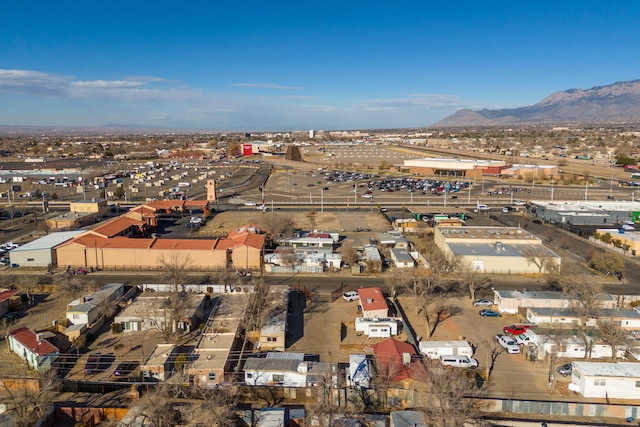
(618,102)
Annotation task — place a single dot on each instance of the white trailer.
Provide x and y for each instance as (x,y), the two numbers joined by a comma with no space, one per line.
(377,327)
(435,349)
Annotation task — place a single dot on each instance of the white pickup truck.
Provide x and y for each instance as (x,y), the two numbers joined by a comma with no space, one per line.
(508,344)
(524,338)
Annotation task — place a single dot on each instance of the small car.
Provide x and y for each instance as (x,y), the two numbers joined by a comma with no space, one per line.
(515,329)
(93,364)
(565,369)
(250,204)
(350,296)
(482,302)
(489,313)
(124,368)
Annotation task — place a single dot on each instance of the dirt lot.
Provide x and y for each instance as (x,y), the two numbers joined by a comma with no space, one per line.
(512,374)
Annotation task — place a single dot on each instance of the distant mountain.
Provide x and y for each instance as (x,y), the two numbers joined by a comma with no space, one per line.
(619,102)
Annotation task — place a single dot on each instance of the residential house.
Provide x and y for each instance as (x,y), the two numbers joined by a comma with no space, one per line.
(571,347)
(215,354)
(373,303)
(399,362)
(273,334)
(33,348)
(5,300)
(408,418)
(160,363)
(620,380)
(149,312)
(401,258)
(287,370)
(87,310)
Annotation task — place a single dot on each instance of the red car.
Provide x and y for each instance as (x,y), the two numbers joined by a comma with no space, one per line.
(515,329)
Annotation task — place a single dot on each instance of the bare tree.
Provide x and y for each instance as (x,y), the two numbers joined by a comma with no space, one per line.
(290,259)
(214,408)
(78,343)
(26,285)
(429,292)
(28,398)
(386,376)
(72,286)
(492,351)
(157,408)
(175,267)
(542,258)
(613,335)
(452,395)
(278,226)
(348,252)
(474,279)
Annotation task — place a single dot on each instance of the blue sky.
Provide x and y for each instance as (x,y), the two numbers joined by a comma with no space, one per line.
(281,65)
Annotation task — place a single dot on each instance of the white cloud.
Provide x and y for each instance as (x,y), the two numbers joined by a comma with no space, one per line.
(268,86)
(154,100)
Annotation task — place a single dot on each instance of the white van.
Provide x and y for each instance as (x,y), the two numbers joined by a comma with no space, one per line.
(458,361)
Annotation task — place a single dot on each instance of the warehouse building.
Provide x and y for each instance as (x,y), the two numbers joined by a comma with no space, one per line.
(503,250)
(40,252)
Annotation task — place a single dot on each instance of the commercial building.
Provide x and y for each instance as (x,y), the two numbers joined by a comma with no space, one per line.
(596,213)
(471,168)
(505,250)
(41,252)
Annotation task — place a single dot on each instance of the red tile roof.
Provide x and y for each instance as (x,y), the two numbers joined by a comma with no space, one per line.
(116,225)
(186,244)
(389,353)
(29,339)
(166,204)
(372,299)
(6,294)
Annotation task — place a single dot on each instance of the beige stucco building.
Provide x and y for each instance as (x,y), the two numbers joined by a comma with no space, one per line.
(505,250)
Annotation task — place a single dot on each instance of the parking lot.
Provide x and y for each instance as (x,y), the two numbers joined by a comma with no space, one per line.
(323,332)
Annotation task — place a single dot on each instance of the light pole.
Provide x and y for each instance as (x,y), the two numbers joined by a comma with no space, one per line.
(322,200)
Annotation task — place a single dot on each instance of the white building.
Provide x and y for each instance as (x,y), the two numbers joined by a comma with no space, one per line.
(509,301)
(571,347)
(435,349)
(359,373)
(626,319)
(401,258)
(378,327)
(287,370)
(33,348)
(87,310)
(619,380)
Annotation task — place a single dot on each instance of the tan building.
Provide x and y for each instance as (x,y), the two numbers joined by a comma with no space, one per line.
(160,363)
(71,221)
(118,244)
(88,206)
(505,250)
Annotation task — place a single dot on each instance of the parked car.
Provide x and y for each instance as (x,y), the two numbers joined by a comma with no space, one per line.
(489,313)
(93,364)
(124,368)
(250,204)
(458,361)
(515,329)
(483,302)
(565,369)
(523,338)
(350,296)
(508,344)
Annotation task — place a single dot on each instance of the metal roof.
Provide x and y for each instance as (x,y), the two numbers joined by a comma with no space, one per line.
(49,241)
(604,369)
